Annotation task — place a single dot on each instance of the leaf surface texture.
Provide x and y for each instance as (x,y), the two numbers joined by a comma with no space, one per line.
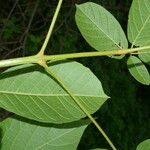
(99,28)
(145,145)
(29,92)
(139,23)
(21,135)
(138,70)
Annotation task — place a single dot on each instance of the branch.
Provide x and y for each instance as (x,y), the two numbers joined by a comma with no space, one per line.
(51,28)
(95,54)
(37,58)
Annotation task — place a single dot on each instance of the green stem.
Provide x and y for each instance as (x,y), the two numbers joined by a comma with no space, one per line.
(38,58)
(18,61)
(51,73)
(94,54)
(51,27)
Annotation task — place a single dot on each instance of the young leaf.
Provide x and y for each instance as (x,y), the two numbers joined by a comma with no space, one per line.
(20,134)
(28,91)
(99,28)
(145,145)
(145,57)
(138,70)
(139,23)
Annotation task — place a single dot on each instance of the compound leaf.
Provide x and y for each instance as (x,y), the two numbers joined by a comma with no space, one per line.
(29,92)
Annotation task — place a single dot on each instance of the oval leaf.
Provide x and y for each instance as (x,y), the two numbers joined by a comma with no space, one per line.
(145,145)
(28,91)
(145,57)
(139,23)
(138,70)
(22,135)
(99,28)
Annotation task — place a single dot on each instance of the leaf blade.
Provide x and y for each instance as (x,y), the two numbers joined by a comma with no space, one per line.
(145,145)
(36,136)
(138,70)
(102,35)
(35,95)
(145,57)
(139,23)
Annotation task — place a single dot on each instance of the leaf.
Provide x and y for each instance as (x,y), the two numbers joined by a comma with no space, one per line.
(99,28)
(145,57)
(23,135)
(139,23)
(29,92)
(138,70)
(145,145)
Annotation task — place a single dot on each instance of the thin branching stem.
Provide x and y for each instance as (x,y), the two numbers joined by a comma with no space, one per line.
(41,59)
(51,28)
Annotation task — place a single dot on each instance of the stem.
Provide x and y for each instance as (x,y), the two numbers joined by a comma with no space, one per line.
(94,54)
(37,58)
(51,27)
(18,61)
(50,72)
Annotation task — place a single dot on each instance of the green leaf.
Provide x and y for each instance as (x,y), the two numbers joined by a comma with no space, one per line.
(139,23)
(20,134)
(29,92)
(99,28)
(138,70)
(145,57)
(145,145)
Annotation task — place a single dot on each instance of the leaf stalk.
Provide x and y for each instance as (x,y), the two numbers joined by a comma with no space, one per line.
(37,58)
(52,74)
(51,27)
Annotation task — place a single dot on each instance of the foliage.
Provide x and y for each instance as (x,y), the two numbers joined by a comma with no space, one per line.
(47,101)
(73,85)
(94,22)
(145,145)
(62,137)
(138,70)
(97,32)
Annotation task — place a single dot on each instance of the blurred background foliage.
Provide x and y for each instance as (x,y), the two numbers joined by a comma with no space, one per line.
(126,116)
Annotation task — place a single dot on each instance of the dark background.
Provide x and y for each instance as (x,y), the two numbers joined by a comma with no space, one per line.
(126,116)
